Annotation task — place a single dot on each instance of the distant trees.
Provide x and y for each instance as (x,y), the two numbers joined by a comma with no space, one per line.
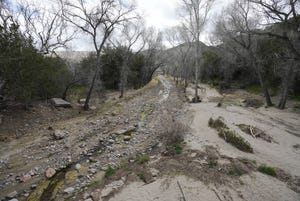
(27,74)
(112,60)
(194,21)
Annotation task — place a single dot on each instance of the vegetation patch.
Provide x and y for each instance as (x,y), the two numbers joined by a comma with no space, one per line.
(143,159)
(236,140)
(255,132)
(173,137)
(218,124)
(267,170)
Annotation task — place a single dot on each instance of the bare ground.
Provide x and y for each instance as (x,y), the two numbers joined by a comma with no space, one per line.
(208,168)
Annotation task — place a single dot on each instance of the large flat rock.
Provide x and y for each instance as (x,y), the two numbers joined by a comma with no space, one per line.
(58,102)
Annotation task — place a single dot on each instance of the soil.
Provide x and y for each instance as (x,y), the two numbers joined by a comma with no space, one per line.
(119,152)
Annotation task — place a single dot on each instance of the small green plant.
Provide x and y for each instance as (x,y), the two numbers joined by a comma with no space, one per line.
(236,140)
(93,184)
(212,163)
(267,170)
(143,159)
(109,171)
(178,149)
(236,171)
(122,165)
(142,177)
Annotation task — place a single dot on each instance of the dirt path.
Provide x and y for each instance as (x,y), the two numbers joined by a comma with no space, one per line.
(208,168)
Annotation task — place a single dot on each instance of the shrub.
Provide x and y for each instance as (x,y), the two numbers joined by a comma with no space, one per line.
(267,170)
(174,135)
(218,124)
(236,140)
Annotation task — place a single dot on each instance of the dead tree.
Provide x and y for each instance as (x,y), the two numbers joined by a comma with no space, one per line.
(194,21)
(284,15)
(130,37)
(97,21)
(236,26)
(45,26)
(153,54)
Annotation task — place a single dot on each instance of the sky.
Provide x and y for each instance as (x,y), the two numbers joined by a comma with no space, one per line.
(160,14)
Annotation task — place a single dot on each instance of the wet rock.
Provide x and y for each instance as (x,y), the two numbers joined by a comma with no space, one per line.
(69,190)
(50,172)
(12,195)
(58,135)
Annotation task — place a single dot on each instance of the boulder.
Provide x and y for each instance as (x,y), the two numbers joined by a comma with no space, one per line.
(58,102)
(50,172)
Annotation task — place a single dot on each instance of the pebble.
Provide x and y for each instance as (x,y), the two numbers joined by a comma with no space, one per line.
(12,195)
(50,172)
(77,166)
(69,190)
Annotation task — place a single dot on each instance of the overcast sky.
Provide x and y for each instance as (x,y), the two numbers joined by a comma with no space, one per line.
(158,13)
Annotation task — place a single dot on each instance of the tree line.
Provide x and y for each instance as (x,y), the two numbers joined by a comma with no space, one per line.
(254,42)
(124,53)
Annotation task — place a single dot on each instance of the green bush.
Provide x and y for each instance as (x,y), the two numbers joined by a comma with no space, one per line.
(267,170)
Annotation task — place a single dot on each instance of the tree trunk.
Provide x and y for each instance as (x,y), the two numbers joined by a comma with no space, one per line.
(196,71)
(88,97)
(287,80)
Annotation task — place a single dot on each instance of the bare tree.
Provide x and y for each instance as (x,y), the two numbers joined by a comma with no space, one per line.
(194,21)
(153,54)
(45,26)
(180,53)
(129,38)
(236,26)
(97,21)
(283,16)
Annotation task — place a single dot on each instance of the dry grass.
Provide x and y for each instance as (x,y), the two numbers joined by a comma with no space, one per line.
(230,136)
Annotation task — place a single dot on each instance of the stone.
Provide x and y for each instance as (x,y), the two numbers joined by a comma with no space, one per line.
(81,101)
(127,138)
(58,102)
(12,195)
(14,199)
(58,135)
(108,189)
(92,107)
(69,190)
(89,199)
(77,166)
(50,172)
(193,155)
(154,172)
(127,131)
(25,178)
